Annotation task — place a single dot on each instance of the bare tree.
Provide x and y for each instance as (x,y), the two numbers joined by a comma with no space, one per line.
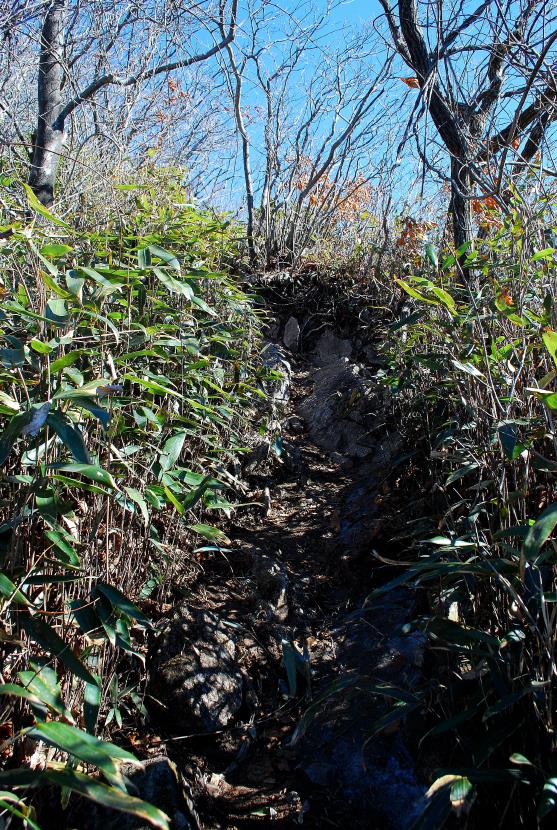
(477,71)
(307,116)
(131,44)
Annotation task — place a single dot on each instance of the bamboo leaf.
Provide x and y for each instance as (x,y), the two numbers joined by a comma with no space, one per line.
(109,797)
(540,532)
(38,207)
(46,637)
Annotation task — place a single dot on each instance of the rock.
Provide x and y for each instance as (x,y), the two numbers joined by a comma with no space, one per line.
(294,460)
(157,782)
(194,675)
(294,424)
(291,335)
(271,584)
(336,411)
(331,349)
(257,457)
(275,360)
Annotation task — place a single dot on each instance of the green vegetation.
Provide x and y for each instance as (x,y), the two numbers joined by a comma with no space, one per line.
(473,366)
(392,165)
(129,381)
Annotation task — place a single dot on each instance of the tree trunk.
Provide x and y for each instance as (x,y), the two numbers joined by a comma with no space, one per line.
(50,126)
(460,206)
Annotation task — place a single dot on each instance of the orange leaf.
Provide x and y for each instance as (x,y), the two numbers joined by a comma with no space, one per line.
(505,298)
(413,83)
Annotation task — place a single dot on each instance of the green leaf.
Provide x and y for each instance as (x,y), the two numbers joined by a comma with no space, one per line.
(11,591)
(173,500)
(508,438)
(56,312)
(84,746)
(431,254)
(548,801)
(445,298)
(70,435)
(40,347)
(94,409)
(66,360)
(10,404)
(75,285)
(91,705)
(42,681)
(87,618)
(415,294)
(91,389)
(153,386)
(172,284)
(46,637)
(64,542)
(549,338)
(122,603)
(468,368)
(540,532)
(21,811)
(19,691)
(521,760)
(192,498)
(38,207)
(92,471)
(55,250)
(12,432)
(213,534)
(166,257)
(547,253)
(461,472)
(201,304)
(109,797)
(137,497)
(12,358)
(171,450)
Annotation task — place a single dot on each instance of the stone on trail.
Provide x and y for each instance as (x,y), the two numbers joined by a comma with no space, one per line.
(194,674)
(291,335)
(275,360)
(339,412)
(331,349)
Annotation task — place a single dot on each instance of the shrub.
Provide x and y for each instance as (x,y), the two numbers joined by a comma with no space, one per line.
(129,379)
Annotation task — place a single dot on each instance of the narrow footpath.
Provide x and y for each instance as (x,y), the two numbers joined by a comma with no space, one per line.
(292,663)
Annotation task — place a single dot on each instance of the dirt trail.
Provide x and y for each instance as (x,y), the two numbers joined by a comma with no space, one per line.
(297,577)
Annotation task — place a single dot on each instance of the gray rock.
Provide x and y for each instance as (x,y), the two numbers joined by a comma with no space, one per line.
(194,674)
(257,457)
(157,782)
(291,335)
(337,412)
(275,360)
(330,348)
(271,584)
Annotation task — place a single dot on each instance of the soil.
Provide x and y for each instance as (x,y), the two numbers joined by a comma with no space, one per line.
(293,587)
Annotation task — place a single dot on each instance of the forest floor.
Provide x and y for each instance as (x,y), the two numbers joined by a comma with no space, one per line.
(293,589)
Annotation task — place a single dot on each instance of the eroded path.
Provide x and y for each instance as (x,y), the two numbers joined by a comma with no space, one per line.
(290,660)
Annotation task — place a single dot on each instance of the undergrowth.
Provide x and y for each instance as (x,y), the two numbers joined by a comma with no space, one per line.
(129,383)
(472,363)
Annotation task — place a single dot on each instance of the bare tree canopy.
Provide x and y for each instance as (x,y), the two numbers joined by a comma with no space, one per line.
(485,79)
(84,48)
